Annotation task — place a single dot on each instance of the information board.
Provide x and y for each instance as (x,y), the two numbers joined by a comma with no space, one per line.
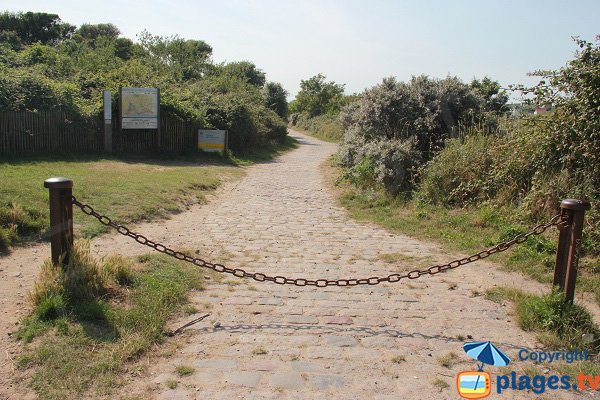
(212,140)
(139,108)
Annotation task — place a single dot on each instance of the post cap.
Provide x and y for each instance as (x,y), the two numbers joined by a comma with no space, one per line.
(576,205)
(58,182)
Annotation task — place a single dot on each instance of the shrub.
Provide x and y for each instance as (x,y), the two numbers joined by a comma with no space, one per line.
(456,176)
(399,125)
(391,163)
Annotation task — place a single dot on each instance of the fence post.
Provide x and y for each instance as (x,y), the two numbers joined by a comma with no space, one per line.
(569,243)
(61,218)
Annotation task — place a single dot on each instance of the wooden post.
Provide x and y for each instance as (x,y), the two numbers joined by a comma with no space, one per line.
(569,243)
(108,136)
(61,218)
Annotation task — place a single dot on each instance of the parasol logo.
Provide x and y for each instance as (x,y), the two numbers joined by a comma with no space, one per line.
(478,384)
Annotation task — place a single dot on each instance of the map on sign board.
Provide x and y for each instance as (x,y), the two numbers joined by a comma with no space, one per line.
(211,140)
(139,108)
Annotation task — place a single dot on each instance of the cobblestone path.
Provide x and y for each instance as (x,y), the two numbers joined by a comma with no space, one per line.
(280,342)
(392,341)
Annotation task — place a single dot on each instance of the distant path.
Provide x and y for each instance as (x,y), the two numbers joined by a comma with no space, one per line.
(376,342)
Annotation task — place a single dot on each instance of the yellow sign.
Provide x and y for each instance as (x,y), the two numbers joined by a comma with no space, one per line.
(212,140)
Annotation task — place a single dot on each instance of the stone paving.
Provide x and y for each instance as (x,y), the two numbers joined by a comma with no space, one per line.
(281,342)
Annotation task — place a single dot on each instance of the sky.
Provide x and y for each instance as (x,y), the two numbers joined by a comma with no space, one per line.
(357,43)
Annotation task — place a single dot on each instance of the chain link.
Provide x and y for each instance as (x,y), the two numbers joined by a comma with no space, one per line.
(559,220)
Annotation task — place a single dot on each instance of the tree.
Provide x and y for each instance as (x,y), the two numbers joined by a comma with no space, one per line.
(247,71)
(494,98)
(574,126)
(124,48)
(317,97)
(93,31)
(32,27)
(276,98)
(186,59)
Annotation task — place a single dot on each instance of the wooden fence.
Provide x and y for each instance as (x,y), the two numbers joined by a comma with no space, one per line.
(47,132)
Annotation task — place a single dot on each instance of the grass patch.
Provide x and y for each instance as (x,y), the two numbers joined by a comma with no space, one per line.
(190,309)
(466,230)
(558,325)
(398,359)
(171,384)
(259,351)
(158,188)
(128,189)
(184,370)
(17,222)
(91,319)
(448,360)
(440,384)
(321,134)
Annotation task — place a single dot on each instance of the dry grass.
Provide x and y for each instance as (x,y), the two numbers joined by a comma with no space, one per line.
(91,319)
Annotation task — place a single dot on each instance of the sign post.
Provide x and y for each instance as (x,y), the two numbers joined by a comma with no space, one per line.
(140,109)
(107,121)
(211,140)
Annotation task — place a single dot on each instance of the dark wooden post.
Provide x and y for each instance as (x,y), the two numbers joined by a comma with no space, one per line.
(569,243)
(61,218)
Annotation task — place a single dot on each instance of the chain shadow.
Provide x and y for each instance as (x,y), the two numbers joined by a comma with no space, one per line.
(367,331)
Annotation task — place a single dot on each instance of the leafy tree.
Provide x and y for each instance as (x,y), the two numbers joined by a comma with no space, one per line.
(72,74)
(246,71)
(317,97)
(574,126)
(495,99)
(32,27)
(93,31)
(276,98)
(185,59)
(11,38)
(124,48)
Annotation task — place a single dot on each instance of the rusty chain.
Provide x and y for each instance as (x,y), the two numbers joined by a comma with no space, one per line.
(558,220)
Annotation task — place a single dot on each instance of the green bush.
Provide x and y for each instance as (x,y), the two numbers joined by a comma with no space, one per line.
(456,176)
(522,169)
(393,162)
(70,75)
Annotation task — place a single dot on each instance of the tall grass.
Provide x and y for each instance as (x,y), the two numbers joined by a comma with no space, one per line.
(559,325)
(90,319)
